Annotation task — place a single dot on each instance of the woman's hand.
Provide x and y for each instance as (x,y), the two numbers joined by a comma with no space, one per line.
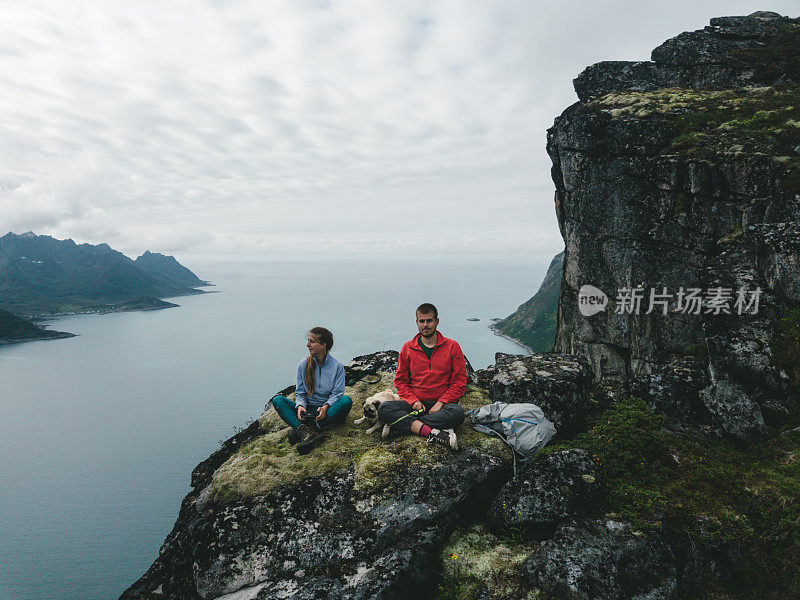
(436,407)
(323,410)
(418,405)
(301,413)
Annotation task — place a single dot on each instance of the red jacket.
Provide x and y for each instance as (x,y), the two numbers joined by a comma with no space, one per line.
(443,378)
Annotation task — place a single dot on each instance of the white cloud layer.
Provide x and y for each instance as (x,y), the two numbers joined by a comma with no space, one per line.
(206,127)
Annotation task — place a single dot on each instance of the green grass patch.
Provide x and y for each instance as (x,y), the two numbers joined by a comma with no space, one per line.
(270,461)
(704,489)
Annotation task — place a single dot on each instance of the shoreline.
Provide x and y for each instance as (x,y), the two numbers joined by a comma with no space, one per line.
(57,335)
(103,310)
(527,349)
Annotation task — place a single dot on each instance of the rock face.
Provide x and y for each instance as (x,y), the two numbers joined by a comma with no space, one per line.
(712,58)
(318,537)
(665,191)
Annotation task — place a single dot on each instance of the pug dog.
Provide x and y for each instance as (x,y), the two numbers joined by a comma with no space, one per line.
(371,405)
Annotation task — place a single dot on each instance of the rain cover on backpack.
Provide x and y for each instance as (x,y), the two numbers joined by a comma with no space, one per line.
(522,426)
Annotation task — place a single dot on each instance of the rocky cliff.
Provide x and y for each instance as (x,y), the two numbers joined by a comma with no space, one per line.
(676,471)
(677,185)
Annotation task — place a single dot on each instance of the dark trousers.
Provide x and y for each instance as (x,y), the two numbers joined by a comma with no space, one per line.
(449,416)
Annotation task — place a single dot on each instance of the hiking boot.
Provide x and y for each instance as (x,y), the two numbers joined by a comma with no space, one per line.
(308,438)
(445,437)
(294,435)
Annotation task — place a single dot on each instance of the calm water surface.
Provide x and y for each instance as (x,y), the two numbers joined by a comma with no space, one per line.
(99,433)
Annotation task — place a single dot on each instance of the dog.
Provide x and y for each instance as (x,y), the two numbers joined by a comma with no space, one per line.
(371,405)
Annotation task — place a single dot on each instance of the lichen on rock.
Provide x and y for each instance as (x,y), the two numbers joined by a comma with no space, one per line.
(477,564)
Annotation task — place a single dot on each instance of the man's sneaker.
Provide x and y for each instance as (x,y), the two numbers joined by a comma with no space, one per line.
(308,439)
(445,437)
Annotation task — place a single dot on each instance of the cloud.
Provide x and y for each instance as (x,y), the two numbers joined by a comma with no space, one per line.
(237,127)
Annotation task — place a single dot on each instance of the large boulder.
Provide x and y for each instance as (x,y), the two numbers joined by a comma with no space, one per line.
(674,389)
(558,384)
(603,559)
(564,485)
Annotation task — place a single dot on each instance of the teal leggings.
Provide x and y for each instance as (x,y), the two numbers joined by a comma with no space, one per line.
(287,410)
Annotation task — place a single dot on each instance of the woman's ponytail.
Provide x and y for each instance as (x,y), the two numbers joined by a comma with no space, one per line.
(323,336)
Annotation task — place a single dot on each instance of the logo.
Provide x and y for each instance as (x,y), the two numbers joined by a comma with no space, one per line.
(688,301)
(591,300)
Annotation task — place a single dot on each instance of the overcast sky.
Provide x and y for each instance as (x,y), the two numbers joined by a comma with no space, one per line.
(205,128)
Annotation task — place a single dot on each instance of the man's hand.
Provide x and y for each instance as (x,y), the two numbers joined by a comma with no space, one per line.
(418,405)
(323,410)
(301,413)
(436,407)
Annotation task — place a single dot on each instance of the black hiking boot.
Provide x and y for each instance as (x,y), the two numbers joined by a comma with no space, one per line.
(445,437)
(308,438)
(294,435)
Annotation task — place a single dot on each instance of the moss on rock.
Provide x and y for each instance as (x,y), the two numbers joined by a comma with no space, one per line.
(270,461)
(708,490)
(713,124)
(477,564)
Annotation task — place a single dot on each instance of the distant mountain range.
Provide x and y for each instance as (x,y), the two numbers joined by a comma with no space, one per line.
(42,276)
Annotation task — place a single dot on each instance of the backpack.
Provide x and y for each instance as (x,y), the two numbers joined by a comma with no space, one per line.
(522,426)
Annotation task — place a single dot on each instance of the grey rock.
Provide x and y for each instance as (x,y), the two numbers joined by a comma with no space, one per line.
(709,58)
(386,362)
(730,406)
(377,362)
(320,536)
(564,485)
(603,559)
(635,215)
(673,389)
(558,384)
(778,255)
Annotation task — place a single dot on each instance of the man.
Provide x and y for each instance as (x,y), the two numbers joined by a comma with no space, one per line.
(431,378)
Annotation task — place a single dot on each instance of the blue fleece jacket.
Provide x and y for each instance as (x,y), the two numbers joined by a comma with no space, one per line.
(329,383)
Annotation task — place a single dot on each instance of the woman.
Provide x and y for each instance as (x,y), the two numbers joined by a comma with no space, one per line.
(319,396)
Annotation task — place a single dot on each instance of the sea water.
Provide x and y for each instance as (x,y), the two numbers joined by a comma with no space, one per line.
(99,433)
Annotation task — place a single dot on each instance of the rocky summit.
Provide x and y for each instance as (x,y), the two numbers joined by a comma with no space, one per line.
(674,383)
